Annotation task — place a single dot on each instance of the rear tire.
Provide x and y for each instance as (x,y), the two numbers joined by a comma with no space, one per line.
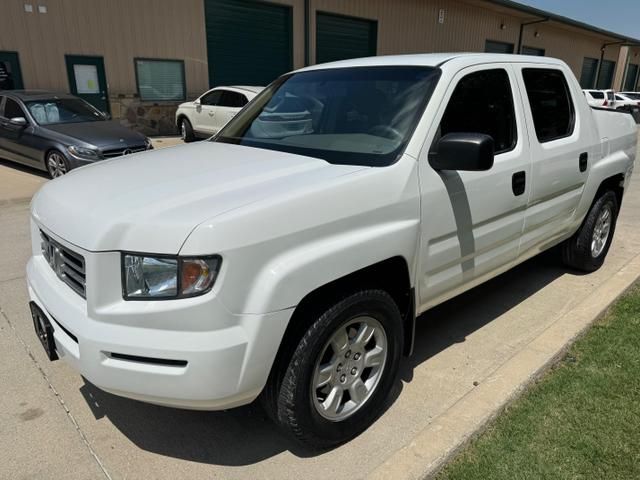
(341,372)
(186,130)
(587,249)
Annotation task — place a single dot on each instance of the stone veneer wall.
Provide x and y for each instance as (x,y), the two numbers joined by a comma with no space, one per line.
(149,118)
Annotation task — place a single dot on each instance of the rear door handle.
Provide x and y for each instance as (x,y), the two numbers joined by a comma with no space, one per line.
(519,183)
(584,161)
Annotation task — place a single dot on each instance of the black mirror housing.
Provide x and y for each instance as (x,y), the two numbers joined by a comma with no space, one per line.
(471,152)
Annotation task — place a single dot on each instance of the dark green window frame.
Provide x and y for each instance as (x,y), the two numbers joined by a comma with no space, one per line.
(151,98)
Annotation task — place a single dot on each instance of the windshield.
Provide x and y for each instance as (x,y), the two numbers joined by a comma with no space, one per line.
(62,110)
(358,116)
(632,96)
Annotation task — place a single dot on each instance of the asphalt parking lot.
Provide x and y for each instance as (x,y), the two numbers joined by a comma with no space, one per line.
(472,354)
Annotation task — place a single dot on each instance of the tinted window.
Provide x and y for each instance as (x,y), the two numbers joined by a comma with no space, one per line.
(598,95)
(356,116)
(233,99)
(12,109)
(551,104)
(63,110)
(211,98)
(491,46)
(160,79)
(482,102)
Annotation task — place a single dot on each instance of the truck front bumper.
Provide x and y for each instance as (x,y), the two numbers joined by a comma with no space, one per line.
(140,350)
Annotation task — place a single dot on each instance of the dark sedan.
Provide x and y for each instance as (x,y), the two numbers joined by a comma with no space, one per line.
(59,132)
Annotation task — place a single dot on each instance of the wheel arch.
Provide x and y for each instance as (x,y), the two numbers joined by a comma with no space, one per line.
(391,275)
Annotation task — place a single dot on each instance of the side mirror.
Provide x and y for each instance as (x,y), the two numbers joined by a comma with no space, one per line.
(18,121)
(472,152)
(196,102)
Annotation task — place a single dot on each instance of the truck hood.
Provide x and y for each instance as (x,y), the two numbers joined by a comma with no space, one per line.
(151,201)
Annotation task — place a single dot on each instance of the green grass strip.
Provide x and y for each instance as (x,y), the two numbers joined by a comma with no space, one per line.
(580,421)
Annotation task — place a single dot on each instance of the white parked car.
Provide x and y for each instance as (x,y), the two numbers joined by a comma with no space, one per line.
(207,114)
(631,95)
(289,256)
(626,100)
(596,98)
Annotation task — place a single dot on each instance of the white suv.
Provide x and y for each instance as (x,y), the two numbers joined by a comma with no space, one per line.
(207,114)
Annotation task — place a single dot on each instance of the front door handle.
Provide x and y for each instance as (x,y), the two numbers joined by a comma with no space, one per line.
(584,161)
(519,183)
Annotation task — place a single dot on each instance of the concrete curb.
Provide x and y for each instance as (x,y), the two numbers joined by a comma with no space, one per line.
(438,443)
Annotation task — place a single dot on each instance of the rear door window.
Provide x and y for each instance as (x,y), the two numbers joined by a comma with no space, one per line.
(482,102)
(551,104)
(232,99)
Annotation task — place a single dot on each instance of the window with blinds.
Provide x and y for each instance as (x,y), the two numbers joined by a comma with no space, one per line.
(160,80)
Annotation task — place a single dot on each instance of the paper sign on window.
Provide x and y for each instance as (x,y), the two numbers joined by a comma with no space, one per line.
(86,78)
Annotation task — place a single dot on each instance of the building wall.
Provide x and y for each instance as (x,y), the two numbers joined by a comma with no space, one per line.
(412,26)
(120,30)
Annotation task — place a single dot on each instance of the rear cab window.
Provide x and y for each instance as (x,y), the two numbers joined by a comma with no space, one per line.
(482,102)
(551,104)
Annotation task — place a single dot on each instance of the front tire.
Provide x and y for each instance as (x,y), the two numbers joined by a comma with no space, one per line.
(587,249)
(56,164)
(186,130)
(341,373)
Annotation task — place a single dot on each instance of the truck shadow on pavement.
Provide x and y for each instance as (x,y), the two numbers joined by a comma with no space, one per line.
(245,435)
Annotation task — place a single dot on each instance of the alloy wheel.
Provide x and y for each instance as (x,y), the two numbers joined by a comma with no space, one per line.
(349,368)
(56,165)
(601,232)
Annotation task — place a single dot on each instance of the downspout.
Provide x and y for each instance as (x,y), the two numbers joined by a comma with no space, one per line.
(602,49)
(306,32)
(522,25)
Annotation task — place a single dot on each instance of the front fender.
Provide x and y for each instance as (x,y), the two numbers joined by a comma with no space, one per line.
(289,277)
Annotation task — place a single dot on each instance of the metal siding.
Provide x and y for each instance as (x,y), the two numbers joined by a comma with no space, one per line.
(120,30)
(248,42)
(340,37)
(117,30)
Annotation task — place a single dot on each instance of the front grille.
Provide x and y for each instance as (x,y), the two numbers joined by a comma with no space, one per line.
(67,264)
(116,152)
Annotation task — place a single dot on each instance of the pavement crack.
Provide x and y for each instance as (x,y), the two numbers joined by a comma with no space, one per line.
(58,397)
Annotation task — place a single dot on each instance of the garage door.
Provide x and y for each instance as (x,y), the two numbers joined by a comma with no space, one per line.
(248,42)
(589,71)
(632,76)
(339,37)
(605,79)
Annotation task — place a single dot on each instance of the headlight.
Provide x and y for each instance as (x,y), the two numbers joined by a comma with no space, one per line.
(148,144)
(166,277)
(84,153)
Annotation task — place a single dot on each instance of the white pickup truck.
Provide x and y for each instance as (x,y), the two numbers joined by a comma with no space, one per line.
(289,257)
